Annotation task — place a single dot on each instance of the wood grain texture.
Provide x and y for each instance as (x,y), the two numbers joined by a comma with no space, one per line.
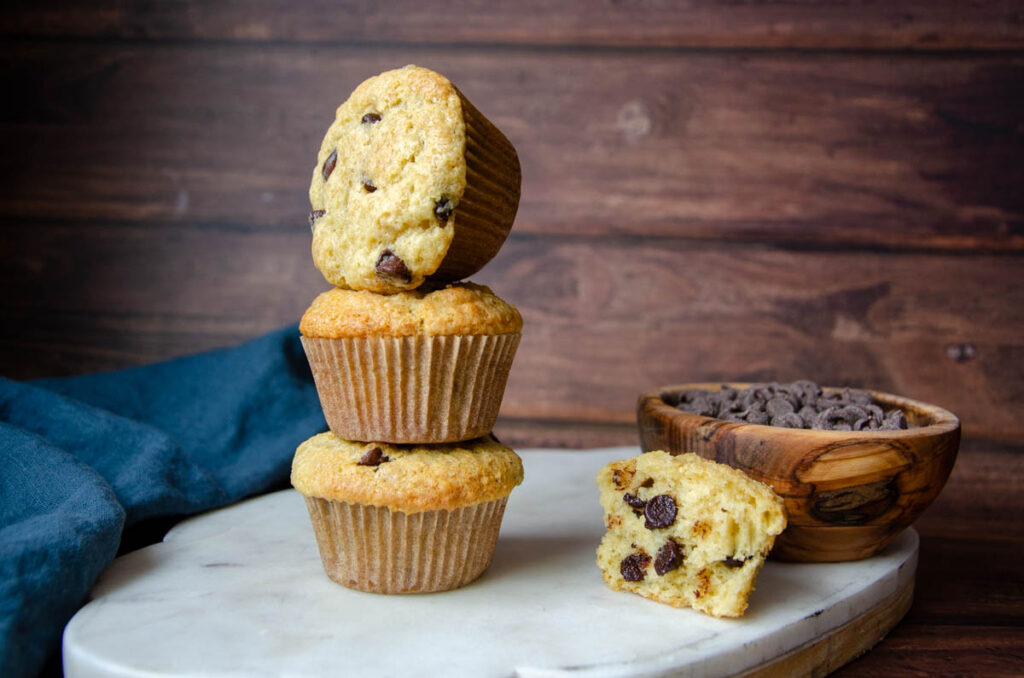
(639,314)
(604,319)
(809,150)
(836,24)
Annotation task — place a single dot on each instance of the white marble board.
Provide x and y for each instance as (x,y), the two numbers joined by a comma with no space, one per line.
(241,592)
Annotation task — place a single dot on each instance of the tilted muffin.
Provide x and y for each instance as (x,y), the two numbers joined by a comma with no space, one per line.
(405,519)
(424,366)
(411,181)
(686,531)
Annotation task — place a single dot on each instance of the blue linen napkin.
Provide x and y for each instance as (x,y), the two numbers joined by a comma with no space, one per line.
(85,457)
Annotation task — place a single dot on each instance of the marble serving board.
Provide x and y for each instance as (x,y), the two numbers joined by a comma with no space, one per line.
(240,592)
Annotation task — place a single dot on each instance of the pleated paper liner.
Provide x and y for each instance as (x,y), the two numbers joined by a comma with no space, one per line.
(415,389)
(375,549)
(484,215)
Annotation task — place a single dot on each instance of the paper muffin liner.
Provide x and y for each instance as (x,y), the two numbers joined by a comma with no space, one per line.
(375,549)
(484,215)
(415,389)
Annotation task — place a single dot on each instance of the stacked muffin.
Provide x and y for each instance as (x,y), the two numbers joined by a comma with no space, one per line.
(413,189)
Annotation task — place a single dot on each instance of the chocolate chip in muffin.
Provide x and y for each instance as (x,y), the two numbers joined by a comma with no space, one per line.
(443,209)
(734,562)
(329,164)
(669,557)
(371,118)
(368,186)
(634,501)
(313,216)
(391,267)
(649,482)
(632,566)
(374,456)
(660,511)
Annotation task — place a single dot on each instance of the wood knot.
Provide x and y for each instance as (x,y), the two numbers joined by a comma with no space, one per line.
(960,353)
(634,120)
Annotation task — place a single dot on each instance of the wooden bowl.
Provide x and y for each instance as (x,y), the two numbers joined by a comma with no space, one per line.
(847,493)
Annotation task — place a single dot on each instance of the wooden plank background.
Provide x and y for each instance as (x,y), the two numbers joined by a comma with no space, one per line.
(829,24)
(712,190)
(712,214)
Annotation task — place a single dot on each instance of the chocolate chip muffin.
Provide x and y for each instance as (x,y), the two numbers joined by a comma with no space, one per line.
(411,182)
(424,366)
(686,531)
(405,518)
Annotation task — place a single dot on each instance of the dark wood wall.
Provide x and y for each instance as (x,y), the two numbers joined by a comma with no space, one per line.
(726,191)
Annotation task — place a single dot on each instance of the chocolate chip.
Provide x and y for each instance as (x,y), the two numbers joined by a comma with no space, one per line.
(875,412)
(313,216)
(329,164)
(827,419)
(371,118)
(801,404)
(894,420)
(634,501)
(443,209)
(701,407)
(791,420)
(808,415)
(734,562)
(669,557)
(632,566)
(778,406)
(647,483)
(368,186)
(852,413)
(391,267)
(373,457)
(758,417)
(659,512)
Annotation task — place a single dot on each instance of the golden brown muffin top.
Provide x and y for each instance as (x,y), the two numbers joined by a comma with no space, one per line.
(407,478)
(458,309)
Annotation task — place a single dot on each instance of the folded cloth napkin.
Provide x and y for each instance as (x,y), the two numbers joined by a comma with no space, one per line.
(84,457)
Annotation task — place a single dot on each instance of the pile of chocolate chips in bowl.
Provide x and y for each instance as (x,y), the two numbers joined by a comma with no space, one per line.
(801,404)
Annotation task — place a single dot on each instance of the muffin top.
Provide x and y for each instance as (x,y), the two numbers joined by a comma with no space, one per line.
(407,478)
(458,309)
(390,172)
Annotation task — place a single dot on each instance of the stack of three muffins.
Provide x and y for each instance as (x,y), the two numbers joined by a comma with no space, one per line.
(413,189)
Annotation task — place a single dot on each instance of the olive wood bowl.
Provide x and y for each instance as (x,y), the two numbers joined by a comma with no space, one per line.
(847,493)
